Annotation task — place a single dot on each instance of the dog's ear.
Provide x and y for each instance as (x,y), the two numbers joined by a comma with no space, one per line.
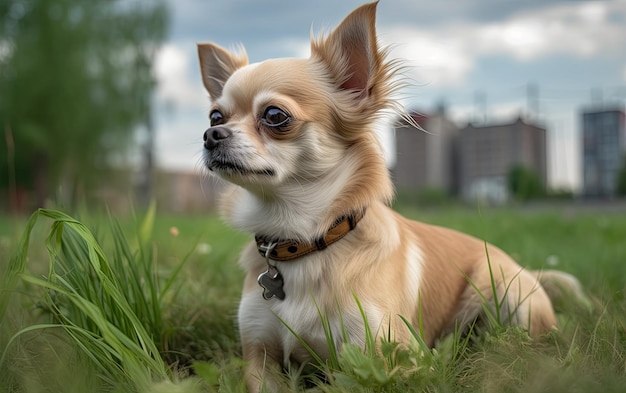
(351,52)
(217,65)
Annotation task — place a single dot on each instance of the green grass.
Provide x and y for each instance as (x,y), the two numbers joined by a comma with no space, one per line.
(142,307)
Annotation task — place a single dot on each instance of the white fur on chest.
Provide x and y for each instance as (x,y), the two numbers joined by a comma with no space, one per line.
(299,317)
(319,289)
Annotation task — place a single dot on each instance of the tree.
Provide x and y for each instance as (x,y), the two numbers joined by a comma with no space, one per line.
(75,82)
(525,184)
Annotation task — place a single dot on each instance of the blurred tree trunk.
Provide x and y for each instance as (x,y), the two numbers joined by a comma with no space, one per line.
(14,206)
(40,163)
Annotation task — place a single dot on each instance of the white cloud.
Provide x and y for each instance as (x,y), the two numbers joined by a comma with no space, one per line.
(580,29)
(443,56)
(446,55)
(179,131)
(434,59)
(176,82)
(300,48)
(179,143)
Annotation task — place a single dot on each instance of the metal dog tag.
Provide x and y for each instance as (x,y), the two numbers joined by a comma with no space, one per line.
(272,282)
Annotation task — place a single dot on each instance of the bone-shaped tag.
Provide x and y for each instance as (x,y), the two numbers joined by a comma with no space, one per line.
(272,282)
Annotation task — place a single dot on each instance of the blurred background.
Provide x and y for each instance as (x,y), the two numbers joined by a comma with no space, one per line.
(101,102)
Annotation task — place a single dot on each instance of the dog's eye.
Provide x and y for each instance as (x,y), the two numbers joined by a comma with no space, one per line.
(275,117)
(216,118)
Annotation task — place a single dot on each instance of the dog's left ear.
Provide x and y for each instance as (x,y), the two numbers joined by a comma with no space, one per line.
(351,52)
(217,65)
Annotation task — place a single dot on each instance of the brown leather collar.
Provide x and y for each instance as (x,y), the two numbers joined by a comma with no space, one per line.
(287,250)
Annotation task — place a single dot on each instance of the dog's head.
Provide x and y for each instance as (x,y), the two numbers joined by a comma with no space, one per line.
(286,122)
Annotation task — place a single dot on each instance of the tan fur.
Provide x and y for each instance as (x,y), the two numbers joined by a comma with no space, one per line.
(294,181)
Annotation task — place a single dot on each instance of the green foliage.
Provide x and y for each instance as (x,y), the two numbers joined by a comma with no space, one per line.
(109,307)
(525,184)
(197,318)
(561,193)
(586,355)
(76,80)
(381,365)
(389,366)
(429,197)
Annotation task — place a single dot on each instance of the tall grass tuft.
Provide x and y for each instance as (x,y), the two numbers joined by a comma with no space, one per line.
(110,306)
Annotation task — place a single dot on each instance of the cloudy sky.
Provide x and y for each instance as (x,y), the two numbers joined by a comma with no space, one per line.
(480,57)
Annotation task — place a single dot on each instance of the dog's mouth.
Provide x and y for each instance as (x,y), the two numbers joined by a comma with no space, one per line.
(233,168)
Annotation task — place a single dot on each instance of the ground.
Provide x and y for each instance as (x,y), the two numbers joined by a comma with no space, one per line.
(187,285)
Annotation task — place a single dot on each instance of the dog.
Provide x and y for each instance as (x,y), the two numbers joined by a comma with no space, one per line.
(295,139)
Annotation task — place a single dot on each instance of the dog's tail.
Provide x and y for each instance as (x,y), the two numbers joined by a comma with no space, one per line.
(564,290)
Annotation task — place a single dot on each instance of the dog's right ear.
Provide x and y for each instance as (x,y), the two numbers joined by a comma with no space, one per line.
(217,65)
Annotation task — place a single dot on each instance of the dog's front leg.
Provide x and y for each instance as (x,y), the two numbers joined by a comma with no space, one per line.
(260,340)
(262,369)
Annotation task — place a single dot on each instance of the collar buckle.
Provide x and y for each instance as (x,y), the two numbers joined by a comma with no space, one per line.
(266,249)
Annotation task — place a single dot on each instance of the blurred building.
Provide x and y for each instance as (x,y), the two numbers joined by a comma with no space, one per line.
(604,147)
(473,162)
(487,154)
(426,158)
(187,192)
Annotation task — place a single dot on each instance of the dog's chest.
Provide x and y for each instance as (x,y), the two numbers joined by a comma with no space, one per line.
(300,317)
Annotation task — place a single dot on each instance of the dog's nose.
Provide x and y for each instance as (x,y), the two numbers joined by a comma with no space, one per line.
(214,135)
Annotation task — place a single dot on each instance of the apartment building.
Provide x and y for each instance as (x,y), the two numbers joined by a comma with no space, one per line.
(488,152)
(426,158)
(604,149)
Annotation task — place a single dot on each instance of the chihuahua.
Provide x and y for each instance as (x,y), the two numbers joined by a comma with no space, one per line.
(295,137)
